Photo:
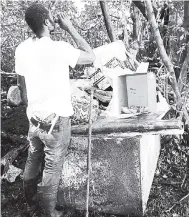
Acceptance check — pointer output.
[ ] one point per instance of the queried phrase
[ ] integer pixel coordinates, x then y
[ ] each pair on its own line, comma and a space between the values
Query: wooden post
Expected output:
89, 153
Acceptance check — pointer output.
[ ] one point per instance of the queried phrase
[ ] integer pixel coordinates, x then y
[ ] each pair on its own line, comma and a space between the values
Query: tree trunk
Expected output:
136, 32
182, 82
140, 5
135, 19
124, 22
186, 15
161, 48
107, 20
166, 60
185, 67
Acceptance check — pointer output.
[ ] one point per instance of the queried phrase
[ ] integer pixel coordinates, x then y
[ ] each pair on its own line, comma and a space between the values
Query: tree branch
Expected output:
183, 198
166, 60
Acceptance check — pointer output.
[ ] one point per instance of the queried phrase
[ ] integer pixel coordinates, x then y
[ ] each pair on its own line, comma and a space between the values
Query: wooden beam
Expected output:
144, 123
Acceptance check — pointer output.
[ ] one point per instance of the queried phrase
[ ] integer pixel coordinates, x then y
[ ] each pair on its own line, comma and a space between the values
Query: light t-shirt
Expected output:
45, 65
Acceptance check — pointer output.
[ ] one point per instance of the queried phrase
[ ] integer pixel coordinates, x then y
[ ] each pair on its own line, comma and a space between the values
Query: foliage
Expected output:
90, 24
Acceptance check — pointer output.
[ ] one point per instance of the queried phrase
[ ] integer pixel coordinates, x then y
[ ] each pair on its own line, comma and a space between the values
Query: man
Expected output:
43, 66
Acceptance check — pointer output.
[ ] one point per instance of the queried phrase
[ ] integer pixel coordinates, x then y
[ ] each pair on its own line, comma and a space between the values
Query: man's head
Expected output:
39, 19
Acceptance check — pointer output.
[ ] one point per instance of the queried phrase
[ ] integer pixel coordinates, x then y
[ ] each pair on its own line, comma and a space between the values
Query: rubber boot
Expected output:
48, 199
30, 192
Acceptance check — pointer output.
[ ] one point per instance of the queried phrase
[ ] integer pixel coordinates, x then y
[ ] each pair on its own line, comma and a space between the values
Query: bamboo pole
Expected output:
89, 153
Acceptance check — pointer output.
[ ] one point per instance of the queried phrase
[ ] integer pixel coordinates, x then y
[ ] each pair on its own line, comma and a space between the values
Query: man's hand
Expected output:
64, 22
86, 55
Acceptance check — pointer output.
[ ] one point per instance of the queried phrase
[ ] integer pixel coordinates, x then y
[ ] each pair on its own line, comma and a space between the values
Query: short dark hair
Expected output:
35, 16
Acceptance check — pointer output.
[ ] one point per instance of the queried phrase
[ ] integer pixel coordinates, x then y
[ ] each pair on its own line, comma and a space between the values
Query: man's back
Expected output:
45, 65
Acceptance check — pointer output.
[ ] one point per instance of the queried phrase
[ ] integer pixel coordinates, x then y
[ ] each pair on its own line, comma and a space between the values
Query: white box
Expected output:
141, 90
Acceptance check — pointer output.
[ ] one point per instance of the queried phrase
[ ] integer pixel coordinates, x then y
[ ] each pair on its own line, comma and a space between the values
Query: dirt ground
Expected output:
167, 189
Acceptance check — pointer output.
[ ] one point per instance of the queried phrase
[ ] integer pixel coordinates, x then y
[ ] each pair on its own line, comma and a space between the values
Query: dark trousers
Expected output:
55, 147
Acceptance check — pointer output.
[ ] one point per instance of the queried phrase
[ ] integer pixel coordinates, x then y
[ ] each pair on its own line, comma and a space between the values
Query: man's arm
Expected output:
86, 56
22, 87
